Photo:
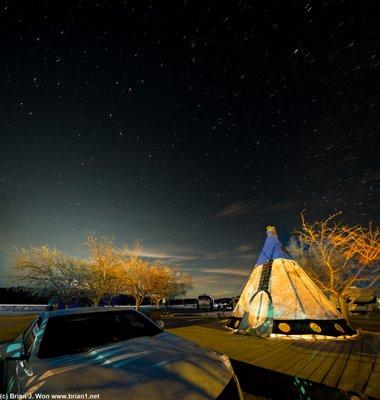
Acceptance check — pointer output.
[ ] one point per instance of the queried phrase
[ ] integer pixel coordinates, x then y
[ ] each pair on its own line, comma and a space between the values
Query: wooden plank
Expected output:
366, 364
349, 365
287, 357
365, 371
197, 333
260, 356
250, 349
230, 339
349, 374
330, 355
302, 362
368, 347
333, 375
253, 352
374, 338
373, 386
236, 346
290, 352
319, 356
244, 351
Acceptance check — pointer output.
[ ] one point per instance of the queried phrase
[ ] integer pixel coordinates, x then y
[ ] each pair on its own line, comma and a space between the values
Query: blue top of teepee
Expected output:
272, 248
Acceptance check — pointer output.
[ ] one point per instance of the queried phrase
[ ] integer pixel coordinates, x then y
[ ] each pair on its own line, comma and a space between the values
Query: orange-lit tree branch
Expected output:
337, 256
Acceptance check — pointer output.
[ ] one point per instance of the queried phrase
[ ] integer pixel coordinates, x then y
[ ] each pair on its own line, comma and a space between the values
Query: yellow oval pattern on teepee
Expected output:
284, 327
259, 309
315, 327
338, 328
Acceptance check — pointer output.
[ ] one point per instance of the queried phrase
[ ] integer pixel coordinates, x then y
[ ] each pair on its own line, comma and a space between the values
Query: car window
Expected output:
77, 333
30, 335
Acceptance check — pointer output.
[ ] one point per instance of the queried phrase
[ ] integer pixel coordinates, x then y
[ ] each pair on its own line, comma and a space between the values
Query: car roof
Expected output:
83, 310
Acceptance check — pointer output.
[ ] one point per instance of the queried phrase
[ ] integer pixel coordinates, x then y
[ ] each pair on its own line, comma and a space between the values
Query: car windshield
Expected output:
77, 333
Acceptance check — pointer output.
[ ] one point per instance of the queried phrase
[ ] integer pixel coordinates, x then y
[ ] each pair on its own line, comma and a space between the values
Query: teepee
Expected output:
280, 299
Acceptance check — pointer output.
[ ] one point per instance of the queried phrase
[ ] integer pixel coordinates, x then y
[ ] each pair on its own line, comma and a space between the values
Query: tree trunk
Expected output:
344, 308
96, 301
158, 303
138, 303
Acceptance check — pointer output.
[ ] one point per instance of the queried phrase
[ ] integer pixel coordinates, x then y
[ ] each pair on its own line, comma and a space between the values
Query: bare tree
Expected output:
108, 271
140, 278
102, 273
42, 270
162, 276
178, 285
337, 256
136, 276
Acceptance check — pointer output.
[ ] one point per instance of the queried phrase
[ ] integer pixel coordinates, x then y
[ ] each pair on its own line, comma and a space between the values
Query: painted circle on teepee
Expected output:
259, 309
338, 327
315, 327
284, 327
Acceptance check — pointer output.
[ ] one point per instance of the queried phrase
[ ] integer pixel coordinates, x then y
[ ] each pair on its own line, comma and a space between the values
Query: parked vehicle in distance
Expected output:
115, 354
361, 300
205, 303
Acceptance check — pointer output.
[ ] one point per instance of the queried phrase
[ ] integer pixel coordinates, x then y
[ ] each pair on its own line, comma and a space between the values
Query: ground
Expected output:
12, 325
196, 327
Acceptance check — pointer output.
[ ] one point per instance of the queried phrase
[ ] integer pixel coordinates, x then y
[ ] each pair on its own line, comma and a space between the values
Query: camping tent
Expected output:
280, 299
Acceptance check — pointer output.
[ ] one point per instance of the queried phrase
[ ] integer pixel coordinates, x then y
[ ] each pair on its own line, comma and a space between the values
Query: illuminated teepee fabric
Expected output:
281, 299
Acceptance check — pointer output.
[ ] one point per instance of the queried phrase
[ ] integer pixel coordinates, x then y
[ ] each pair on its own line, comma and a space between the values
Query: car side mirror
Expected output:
16, 357
160, 323
15, 351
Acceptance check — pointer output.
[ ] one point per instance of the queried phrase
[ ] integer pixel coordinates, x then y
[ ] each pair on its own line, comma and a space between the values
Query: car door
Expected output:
19, 371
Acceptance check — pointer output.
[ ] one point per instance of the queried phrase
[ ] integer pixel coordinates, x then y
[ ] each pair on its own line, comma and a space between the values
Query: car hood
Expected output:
164, 366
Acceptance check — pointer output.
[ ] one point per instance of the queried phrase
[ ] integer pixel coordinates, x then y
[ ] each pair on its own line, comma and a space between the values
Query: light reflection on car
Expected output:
113, 353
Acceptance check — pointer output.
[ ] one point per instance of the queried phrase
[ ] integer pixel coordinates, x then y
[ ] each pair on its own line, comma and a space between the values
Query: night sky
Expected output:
188, 126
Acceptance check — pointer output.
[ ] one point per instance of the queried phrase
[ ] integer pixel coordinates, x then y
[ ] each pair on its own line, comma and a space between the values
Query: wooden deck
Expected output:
351, 365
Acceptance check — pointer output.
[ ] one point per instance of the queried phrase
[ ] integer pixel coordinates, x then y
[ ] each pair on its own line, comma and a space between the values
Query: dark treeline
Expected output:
19, 295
